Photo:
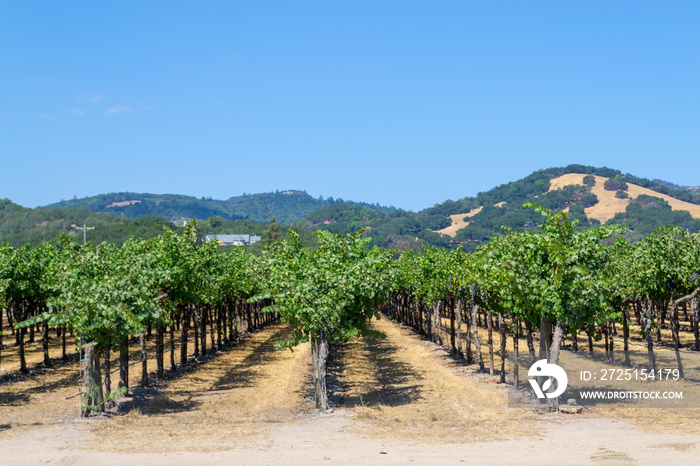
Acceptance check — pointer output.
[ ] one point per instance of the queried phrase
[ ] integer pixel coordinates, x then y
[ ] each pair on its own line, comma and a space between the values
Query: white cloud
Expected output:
47, 116
91, 98
117, 109
78, 111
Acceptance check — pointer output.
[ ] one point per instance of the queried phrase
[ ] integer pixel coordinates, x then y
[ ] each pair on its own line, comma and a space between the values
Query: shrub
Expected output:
588, 199
615, 184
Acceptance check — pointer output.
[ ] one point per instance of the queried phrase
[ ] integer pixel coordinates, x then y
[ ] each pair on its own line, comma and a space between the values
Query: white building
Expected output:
232, 240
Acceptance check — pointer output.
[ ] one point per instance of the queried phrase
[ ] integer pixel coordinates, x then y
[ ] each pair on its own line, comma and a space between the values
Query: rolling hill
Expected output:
608, 205
286, 206
642, 205
20, 225
592, 195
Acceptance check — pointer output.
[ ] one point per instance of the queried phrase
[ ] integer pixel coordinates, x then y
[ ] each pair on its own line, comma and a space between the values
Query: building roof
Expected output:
232, 238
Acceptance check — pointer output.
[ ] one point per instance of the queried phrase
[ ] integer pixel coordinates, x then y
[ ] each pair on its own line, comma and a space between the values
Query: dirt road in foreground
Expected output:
405, 402
332, 438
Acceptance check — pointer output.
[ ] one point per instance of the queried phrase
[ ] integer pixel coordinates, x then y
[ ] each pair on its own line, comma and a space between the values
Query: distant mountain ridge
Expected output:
675, 186
21, 225
286, 206
591, 195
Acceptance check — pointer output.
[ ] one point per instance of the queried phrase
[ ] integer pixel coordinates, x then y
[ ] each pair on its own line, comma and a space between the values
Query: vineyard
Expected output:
167, 321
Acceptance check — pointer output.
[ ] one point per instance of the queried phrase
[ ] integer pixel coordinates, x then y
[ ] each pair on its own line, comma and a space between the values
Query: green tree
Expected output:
273, 232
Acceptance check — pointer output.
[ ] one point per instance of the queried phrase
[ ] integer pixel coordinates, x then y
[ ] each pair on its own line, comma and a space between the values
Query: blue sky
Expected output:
404, 103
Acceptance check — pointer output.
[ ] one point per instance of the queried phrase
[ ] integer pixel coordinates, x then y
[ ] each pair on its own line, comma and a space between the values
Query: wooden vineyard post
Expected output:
144, 359
45, 342
475, 339
160, 336
516, 337
184, 326
124, 365
489, 323
530, 343
452, 325
502, 330
458, 311
108, 372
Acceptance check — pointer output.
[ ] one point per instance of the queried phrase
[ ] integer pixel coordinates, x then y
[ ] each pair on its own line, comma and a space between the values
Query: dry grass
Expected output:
606, 208
38, 399
608, 205
654, 420
636, 343
240, 393
34, 355
33, 352
123, 203
408, 388
458, 222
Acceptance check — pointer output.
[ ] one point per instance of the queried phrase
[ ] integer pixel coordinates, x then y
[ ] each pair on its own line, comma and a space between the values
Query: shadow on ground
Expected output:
13, 399
156, 400
37, 370
245, 373
391, 381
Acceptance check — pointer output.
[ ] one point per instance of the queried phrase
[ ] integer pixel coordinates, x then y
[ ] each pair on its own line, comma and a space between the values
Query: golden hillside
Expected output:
458, 222
608, 205
606, 208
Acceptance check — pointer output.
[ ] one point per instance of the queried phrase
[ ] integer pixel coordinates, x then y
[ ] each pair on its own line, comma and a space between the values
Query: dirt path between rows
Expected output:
404, 401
